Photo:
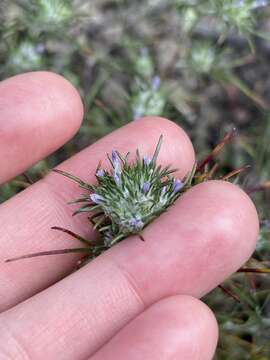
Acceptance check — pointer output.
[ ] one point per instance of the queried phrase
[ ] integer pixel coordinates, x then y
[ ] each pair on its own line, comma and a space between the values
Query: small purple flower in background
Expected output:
177, 185
155, 83
259, 3
100, 173
253, 4
136, 223
146, 187
40, 48
96, 198
146, 160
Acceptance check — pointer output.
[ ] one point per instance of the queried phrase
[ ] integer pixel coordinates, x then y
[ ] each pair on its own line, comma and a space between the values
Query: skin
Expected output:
139, 300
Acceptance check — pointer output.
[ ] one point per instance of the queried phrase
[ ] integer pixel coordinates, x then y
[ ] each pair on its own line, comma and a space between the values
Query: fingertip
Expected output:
200, 311
207, 235
39, 112
184, 322
198, 318
236, 214
174, 327
58, 93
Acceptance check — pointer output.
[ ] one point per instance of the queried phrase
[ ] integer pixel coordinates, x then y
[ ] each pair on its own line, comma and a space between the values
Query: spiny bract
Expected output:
130, 195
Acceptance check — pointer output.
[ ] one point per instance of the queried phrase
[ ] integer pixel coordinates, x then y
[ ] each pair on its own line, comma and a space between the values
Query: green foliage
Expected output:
27, 56
231, 14
46, 16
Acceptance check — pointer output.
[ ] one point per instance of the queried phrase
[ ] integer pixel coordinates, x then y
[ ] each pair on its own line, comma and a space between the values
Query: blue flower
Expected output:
155, 83
136, 223
177, 185
96, 198
146, 160
114, 157
100, 173
146, 187
116, 168
116, 162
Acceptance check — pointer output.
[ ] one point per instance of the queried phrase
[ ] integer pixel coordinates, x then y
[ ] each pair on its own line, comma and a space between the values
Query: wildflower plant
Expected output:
147, 98
27, 56
147, 95
129, 196
48, 15
126, 198
199, 49
231, 14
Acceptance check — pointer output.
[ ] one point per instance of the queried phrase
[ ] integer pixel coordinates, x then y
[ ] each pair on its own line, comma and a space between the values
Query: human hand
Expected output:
137, 300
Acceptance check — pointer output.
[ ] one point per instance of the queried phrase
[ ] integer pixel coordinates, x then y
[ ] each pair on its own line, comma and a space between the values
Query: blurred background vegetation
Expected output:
203, 64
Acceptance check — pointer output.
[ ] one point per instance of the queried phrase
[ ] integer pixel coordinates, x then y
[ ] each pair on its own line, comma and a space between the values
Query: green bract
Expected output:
129, 196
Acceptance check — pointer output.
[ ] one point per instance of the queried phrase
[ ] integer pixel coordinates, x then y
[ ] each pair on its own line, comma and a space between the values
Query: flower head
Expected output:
136, 223
146, 187
115, 159
129, 196
177, 185
100, 173
96, 198
116, 171
146, 160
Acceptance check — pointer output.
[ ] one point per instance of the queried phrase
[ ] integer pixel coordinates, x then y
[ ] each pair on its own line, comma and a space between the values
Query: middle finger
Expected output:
209, 232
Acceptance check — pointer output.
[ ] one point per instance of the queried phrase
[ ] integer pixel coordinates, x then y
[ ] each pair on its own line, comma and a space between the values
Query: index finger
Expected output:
39, 112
